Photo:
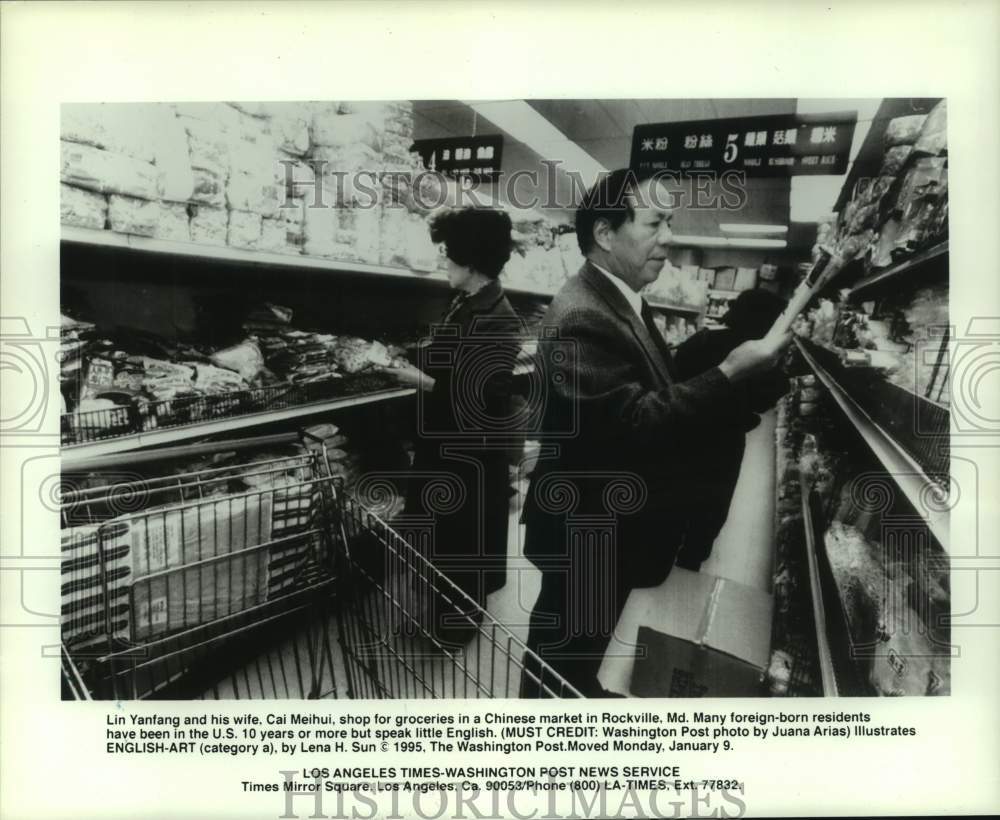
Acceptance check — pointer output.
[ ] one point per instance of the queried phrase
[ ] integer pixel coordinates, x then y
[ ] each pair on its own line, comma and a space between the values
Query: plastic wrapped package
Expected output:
294, 178
244, 230
175, 180
345, 130
208, 225
253, 194
903, 130
120, 128
256, 160
894, 160
220, 115
208, 188
319, 227
140, 217
421, 253
82, 208
84, 166
244, 358
208, 147
368, 230
393, 245
251, 109
933, 137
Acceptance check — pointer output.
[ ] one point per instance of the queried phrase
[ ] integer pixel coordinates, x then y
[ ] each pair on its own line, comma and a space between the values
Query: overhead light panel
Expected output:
734, 227
526, 125
727, 242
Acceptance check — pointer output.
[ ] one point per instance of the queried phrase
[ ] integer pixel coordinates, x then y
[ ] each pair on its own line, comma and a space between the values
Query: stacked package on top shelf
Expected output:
679, 286
278, 177
904, 208
536, 262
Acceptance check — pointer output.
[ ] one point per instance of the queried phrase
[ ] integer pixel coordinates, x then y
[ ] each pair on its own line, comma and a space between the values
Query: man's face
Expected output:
638, 249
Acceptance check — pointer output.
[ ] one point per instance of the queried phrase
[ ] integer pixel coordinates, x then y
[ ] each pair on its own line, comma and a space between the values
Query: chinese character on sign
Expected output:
779, 138
691, 141
647, 145
446, 154
661, 143
750, 138
484, 152
791, 135
762, 137
823, 134
705, 141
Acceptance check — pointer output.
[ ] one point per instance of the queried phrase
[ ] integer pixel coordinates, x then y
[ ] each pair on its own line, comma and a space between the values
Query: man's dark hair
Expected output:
477, 238
607, 199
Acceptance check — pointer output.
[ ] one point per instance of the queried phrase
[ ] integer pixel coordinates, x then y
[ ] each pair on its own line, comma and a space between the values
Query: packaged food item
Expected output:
244, 358
120, 128
903, 130
244, 230
82, 208
208, 225
894, 160
933, 137
84, 166
163, 220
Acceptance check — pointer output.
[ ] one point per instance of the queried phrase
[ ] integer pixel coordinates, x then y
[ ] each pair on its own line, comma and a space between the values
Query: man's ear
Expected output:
602, 233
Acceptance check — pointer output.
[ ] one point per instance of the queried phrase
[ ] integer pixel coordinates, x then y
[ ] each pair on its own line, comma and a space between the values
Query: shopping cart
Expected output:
266, 580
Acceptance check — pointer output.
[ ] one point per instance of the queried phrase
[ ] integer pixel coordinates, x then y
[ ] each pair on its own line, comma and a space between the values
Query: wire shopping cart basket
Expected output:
266, 580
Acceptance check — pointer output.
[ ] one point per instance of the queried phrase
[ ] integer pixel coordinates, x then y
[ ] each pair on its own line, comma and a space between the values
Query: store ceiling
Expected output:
603, 128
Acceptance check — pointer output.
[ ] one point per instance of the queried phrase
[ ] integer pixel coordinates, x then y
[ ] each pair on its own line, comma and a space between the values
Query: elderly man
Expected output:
603, 514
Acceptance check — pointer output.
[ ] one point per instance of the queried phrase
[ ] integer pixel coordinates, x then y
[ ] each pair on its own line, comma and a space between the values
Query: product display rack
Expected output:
222, 253
936, 255
908, 474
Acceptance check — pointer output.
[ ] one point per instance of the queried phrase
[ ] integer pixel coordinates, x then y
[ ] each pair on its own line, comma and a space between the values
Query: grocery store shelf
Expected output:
723, 294
152, 438
907, 266
190, 250
907, 473
220, 253
828, 677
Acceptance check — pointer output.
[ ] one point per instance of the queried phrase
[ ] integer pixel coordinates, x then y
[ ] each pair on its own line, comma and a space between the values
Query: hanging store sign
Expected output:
776, 145
474, 158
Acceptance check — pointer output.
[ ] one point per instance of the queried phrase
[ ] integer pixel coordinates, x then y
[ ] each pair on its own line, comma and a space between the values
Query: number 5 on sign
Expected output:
729, 155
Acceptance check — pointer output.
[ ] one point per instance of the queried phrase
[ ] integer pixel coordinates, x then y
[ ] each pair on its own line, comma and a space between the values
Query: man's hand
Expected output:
754, 357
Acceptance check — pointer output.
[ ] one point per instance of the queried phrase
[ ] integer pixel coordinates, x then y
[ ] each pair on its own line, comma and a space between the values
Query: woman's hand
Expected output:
412, 377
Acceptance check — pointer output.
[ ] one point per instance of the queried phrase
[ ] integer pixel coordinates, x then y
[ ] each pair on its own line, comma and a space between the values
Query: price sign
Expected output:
776, 145
475, 158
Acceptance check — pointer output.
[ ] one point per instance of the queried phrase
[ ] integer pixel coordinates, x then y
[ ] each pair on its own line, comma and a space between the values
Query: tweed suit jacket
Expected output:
617, 427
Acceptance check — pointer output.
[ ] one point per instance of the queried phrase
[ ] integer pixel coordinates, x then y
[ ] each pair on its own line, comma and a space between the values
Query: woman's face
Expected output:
458, 275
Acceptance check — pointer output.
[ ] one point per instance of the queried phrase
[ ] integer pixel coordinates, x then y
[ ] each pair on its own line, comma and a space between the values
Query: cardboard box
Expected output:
725, 278
746, 279
696, 635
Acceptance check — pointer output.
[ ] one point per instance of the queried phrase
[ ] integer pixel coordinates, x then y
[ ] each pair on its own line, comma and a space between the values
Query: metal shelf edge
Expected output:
908, 475
224, 253
152, 438
915, 261
824, 653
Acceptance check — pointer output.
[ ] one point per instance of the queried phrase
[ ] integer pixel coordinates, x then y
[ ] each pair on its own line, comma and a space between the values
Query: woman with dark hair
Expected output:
460, 482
